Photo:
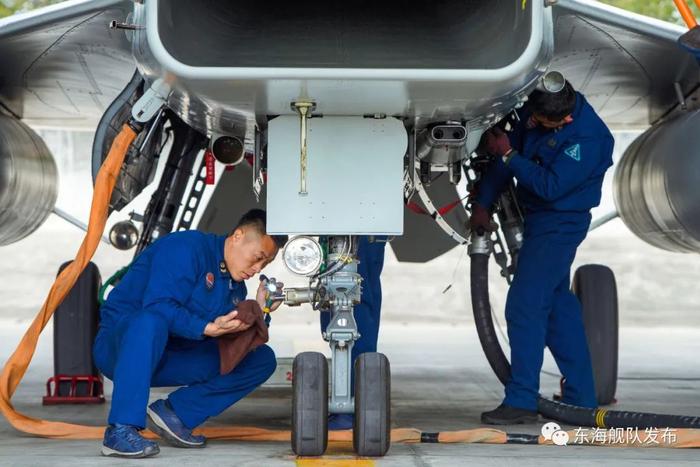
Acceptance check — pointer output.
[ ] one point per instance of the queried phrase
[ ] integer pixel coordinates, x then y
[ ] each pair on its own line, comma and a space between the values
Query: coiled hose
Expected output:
565, 413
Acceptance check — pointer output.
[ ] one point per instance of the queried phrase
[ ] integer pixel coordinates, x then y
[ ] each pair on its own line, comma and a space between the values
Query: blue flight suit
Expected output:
151, 332
559, 176
367, 313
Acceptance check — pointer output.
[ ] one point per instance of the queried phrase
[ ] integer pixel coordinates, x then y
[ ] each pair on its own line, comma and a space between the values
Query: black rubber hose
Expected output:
565, 413
481, 304
582, 416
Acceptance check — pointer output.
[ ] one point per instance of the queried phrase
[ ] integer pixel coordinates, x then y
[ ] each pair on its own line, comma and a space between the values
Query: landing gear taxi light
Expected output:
303, 255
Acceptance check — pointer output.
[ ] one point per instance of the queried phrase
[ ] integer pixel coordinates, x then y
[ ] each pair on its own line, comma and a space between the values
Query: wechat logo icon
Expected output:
553, 432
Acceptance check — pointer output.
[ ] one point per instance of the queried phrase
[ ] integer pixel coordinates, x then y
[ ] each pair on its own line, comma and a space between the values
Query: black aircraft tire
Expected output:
310, 404
371, 435
595, 287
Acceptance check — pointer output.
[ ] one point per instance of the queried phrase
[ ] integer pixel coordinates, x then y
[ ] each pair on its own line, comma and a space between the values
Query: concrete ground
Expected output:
440, 382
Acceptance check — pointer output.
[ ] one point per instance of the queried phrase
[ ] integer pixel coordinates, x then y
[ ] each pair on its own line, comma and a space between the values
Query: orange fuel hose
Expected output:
17, 364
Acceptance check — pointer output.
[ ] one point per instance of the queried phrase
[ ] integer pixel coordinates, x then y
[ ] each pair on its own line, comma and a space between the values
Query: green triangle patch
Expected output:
574, 152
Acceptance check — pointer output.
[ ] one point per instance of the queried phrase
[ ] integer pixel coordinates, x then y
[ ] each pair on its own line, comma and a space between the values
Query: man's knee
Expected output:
529, 297
267, 360
523, 299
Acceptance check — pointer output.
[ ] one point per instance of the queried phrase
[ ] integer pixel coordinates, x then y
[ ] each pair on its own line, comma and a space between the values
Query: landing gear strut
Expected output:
336, 291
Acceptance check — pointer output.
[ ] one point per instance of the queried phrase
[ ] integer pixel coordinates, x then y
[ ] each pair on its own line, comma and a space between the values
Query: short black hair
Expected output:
257, 219
553, 105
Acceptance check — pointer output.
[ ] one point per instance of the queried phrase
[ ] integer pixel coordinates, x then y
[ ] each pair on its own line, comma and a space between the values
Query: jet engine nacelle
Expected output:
28, 181
657, 183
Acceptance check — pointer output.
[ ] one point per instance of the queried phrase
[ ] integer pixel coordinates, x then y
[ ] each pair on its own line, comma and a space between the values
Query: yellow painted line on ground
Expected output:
321, 462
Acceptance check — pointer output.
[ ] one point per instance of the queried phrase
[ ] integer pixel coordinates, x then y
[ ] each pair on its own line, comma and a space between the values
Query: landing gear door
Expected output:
354, 176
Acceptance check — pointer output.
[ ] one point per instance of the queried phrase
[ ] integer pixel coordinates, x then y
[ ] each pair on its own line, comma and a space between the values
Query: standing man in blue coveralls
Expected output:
558, 154
158, 328
370, 254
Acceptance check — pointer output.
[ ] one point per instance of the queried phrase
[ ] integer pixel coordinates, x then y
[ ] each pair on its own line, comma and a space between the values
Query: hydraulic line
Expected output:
482, 316
569, 414
112, 281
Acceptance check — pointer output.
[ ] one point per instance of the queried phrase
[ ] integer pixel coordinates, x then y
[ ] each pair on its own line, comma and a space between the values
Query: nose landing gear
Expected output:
337, 290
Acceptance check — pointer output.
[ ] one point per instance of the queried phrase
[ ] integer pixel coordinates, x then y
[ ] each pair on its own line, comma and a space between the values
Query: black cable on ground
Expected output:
559, 411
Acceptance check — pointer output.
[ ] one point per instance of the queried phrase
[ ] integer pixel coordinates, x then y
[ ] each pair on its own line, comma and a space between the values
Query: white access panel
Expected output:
354, 176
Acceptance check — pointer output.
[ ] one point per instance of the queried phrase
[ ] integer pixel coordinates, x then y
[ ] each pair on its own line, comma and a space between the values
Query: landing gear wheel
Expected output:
372, 425
310, 404
595, 287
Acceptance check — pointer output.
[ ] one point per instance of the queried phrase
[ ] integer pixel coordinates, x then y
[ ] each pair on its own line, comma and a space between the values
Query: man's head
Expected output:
249, 248
553, 110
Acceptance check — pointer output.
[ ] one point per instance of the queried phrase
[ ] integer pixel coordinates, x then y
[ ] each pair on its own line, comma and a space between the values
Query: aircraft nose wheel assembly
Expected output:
335, 287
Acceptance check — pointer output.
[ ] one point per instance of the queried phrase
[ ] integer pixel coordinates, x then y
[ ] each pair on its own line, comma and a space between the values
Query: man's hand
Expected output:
480, 220
225, 324
496, 142
262, 293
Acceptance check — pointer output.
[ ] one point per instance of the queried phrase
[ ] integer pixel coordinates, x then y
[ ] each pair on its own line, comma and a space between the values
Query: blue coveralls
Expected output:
151, 332
559, 175
368, 311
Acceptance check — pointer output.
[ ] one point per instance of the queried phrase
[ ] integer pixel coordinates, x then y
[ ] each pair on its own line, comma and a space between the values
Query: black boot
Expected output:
507, 415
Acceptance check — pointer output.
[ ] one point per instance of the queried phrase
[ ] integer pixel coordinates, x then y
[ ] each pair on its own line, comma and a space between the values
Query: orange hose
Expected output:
479, 435
686, 13
17, 364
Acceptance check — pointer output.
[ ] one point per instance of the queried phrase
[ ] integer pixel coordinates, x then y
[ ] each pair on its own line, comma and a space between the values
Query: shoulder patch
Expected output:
574, 152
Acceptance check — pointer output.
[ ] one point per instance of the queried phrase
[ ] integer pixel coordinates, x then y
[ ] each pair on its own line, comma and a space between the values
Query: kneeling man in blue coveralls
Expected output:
158, 327
558, 154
